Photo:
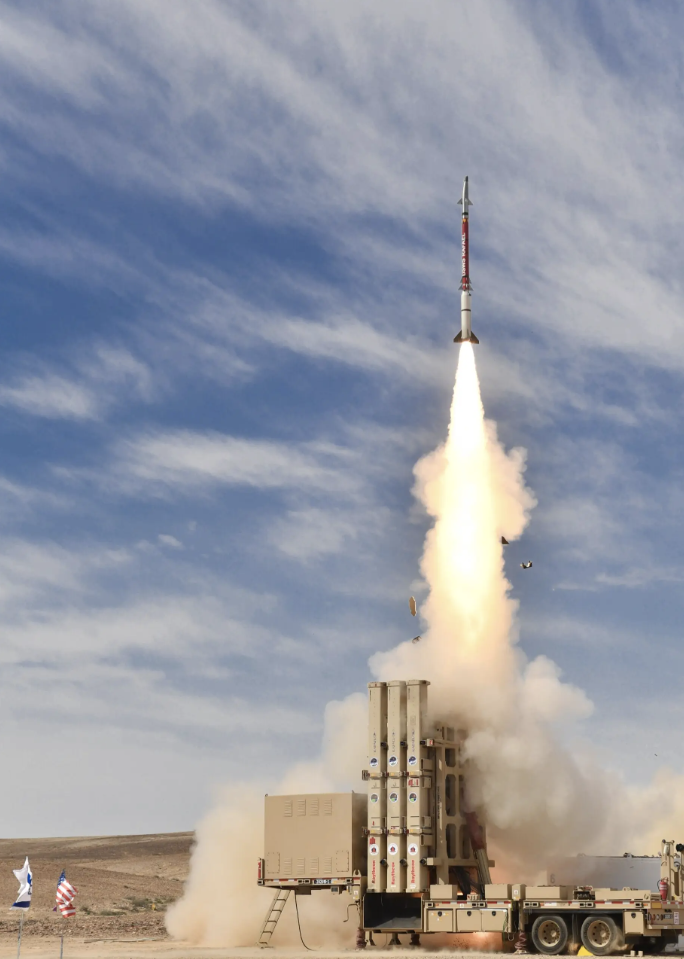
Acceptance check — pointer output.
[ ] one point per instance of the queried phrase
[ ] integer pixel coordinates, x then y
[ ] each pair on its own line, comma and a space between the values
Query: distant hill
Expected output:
124, 883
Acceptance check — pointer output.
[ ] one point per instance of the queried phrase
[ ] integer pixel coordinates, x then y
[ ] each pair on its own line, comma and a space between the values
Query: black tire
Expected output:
549, 935
601, 935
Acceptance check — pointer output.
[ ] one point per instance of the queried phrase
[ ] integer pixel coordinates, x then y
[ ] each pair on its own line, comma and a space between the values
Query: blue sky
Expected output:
229, 249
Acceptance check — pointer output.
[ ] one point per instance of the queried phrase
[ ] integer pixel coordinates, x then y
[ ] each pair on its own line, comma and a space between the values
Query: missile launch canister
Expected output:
465, 335
396, 786
377, 791
421, 837
418, 787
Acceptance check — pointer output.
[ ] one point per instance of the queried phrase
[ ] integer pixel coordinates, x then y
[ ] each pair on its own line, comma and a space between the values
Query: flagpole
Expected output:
21, 925
61, 941
65, 904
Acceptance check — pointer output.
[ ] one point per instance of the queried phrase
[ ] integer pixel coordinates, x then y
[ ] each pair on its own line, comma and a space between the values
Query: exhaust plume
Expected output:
537, 797
536, 800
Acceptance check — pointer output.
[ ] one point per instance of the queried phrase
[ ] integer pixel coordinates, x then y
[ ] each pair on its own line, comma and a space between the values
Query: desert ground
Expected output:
170, 950
124, 885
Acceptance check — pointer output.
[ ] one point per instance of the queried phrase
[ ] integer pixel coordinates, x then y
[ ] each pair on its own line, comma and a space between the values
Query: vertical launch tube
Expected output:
377, 787
396, 786
418, 789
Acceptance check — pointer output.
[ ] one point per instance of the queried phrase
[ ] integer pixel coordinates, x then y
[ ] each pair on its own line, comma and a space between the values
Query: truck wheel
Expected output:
549, 934
600, 935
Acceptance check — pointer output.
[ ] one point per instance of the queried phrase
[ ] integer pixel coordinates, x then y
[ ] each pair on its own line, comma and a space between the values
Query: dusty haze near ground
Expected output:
119, 880
170, 950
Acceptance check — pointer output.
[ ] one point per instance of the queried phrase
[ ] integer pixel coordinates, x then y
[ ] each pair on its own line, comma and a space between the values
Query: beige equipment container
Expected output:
545, 893
314, 839
440, 919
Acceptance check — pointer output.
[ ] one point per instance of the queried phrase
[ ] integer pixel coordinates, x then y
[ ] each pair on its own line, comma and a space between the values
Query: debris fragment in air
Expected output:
527, 565
412, 606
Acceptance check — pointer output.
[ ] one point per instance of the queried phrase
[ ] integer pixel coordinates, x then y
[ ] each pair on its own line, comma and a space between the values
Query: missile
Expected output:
466, 334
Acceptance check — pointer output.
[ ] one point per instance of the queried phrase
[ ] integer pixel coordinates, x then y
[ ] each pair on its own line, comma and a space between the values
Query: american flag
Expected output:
65, 897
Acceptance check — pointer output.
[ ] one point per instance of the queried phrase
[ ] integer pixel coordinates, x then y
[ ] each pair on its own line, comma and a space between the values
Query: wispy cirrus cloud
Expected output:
51, 396
307, 534
84, 388
182, 460
346, 151
242, 219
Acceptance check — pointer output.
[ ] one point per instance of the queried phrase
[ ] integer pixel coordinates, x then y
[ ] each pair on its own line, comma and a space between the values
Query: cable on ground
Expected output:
300, 927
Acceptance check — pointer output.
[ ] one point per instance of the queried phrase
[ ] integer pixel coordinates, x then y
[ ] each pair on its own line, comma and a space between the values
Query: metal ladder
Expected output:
272, 917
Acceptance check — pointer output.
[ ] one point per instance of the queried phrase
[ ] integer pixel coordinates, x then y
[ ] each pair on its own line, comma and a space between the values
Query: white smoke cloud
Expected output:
538, 797
222, 904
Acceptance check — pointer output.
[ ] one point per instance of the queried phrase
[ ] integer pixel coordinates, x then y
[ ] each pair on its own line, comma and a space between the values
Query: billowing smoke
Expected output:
539, 798
222, 904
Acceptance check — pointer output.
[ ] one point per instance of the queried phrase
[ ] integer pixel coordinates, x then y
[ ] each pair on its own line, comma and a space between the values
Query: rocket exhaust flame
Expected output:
463, 550
474, 491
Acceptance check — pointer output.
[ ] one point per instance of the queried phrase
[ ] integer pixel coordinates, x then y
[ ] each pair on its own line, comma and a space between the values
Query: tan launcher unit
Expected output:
412, 835
414, 858
419, 832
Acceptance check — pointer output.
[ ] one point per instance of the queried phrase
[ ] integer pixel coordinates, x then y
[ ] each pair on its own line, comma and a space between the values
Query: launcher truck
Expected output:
413, 856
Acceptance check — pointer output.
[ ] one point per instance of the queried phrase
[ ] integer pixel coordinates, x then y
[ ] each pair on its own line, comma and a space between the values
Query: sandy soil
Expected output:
170, 950
124, 885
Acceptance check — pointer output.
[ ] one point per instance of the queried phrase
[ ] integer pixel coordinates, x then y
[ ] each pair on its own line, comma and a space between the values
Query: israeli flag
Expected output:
25, 880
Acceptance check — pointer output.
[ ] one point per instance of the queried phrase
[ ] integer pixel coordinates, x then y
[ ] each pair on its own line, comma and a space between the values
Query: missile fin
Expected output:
473, 338
458, 338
